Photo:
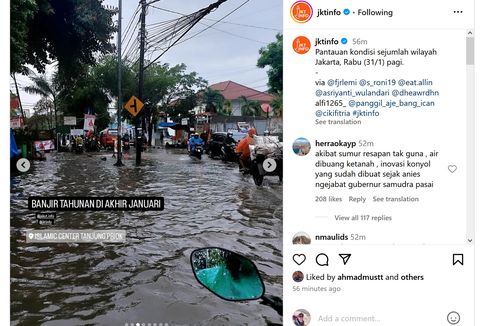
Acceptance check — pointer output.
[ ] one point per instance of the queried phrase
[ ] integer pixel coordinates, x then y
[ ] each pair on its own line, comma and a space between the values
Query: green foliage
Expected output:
69, 31
166, 89
215, 258
272, 56
43, 86
181, 108
105, 75
49, 89
44, 107
170, 90
250, 108
105, 71
182, 84
227, 108
59, 99
276, 104
21, 12
213, 100
39, 122
42, 118
87, 93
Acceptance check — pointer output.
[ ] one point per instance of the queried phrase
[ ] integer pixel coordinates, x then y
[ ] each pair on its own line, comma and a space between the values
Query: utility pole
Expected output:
140, 122
119, 92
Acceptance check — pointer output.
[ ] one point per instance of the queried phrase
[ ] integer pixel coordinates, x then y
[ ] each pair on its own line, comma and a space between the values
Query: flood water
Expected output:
148, 279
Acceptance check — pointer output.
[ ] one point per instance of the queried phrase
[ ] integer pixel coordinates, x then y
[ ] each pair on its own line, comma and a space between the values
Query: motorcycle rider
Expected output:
125, 141
229, 140
243, 149
79, 140
194, 141
79, 144
228, 147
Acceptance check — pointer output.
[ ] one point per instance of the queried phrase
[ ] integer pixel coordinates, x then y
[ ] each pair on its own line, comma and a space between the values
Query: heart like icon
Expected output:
30, 235
452, 168
299, 258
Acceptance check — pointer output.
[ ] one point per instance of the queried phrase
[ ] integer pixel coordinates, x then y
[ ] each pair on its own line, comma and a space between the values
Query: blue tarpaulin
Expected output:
14, 151
166, 124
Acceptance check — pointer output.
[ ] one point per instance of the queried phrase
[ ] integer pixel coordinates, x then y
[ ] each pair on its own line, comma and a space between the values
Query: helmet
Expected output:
266, 133
252, 132
196, 135
229, 134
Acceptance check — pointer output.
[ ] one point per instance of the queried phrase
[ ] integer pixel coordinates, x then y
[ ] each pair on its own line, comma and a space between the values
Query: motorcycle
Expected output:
231, 276
259, 165
92, 145
228, 153
214, 151
265, 158
64, 144
79, 148
196, 151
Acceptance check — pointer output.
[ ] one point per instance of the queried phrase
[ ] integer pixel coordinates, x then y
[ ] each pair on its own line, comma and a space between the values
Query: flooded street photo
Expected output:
148, 278
146, 162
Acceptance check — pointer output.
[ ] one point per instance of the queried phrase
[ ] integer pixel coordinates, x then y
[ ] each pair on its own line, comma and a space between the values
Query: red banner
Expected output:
14, 103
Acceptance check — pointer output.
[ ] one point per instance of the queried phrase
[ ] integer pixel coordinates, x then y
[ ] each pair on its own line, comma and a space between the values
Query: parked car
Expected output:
108, 138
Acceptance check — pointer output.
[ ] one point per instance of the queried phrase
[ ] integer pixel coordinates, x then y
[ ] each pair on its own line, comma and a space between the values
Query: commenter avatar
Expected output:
301, 146
301, 317
301, 238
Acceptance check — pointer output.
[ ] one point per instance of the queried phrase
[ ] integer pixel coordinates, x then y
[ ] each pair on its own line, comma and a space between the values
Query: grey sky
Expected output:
214, 55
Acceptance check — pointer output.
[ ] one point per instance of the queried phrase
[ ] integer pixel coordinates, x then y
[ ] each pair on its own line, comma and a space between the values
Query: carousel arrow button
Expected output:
269, 165
23, 165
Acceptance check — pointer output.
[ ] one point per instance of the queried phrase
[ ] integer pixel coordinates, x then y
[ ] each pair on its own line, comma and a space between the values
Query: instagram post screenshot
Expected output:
146, 162
245, 162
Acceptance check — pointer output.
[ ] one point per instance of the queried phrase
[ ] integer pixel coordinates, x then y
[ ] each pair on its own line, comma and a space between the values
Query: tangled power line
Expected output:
162, 36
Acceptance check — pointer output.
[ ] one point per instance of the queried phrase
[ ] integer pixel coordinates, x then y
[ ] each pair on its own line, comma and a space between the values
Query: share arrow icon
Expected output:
345, 257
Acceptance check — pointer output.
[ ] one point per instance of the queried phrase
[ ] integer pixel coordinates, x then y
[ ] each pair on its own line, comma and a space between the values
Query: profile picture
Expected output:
301, 45
301, 317
301, 238
301, 11
298, 276
301, 146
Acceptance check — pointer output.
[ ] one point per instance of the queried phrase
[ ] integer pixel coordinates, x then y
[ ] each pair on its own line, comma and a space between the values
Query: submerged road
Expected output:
147, 279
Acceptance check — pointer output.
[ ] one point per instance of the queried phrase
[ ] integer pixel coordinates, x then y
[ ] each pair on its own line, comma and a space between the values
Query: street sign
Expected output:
16, 122
70, 120
134, 105
76, 132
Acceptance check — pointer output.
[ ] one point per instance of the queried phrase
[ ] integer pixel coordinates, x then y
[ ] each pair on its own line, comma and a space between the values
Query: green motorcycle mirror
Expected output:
227, 274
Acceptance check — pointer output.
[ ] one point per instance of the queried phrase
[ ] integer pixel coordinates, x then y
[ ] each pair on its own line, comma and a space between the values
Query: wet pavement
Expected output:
148, 279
